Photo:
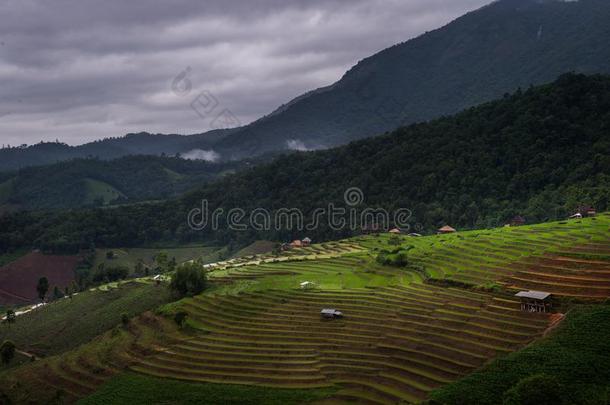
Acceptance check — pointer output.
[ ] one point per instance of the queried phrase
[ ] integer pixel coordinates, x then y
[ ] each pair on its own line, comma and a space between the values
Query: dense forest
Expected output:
539, 153
95, 182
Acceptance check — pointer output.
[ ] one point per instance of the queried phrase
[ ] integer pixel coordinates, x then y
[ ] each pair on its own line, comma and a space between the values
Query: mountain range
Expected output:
539, 153
476, 58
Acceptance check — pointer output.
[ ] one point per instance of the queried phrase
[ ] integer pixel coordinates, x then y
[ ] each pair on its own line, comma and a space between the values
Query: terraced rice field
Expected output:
395, 343
570, 259
574, 272
318, 251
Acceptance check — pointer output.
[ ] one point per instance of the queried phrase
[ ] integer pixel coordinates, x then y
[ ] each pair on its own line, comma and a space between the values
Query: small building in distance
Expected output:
446, 229
306, 241
328, 313
306, 285
586, 211
535, 301
296, 244
517, 221
395, 231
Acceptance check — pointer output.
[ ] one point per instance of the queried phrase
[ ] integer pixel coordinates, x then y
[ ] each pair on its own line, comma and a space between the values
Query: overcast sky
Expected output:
79, 70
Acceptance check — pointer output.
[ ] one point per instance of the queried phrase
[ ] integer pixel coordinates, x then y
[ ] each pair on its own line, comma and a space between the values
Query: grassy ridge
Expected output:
577, 355
137, 389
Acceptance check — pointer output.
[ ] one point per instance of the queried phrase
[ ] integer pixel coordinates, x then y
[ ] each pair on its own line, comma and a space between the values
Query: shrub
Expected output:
396, 257
7, 351
180, 318
124, 319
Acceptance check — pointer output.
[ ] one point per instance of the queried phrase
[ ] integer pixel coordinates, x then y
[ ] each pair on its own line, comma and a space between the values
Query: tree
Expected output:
7, 351
42, 288
110, 255
57, 294
539, 389
139, 268
189, 279
162, 260
11, 317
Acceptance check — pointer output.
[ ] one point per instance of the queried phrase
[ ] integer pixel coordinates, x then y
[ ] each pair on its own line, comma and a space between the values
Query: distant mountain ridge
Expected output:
476, 58
142, 143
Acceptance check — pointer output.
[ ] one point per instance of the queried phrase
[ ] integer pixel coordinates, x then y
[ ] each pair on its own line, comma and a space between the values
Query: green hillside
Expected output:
408, 331
95, 182
99, 192
539, 153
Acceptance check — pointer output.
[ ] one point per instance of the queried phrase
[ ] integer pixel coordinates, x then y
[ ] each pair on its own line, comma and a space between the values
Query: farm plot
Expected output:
394, 344
18, 279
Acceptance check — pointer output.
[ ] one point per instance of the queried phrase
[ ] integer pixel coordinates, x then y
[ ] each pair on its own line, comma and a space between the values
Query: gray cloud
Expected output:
79, 70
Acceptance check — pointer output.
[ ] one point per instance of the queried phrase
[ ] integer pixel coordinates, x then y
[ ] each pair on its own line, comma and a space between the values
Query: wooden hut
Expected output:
517, 221
446, 229
535, 301
296, 244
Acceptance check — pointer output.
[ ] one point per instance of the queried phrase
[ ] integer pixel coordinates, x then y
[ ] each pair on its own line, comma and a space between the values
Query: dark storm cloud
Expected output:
78, 70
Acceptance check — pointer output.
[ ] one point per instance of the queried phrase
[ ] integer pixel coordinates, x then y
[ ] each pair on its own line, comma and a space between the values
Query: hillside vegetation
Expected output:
539, 153
70, 322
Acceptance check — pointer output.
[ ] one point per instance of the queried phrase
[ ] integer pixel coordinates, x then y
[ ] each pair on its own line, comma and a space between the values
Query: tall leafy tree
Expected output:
42, 288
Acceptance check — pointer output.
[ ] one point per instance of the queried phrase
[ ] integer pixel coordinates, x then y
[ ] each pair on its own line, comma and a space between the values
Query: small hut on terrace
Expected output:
446, 229
535, 301
517, 221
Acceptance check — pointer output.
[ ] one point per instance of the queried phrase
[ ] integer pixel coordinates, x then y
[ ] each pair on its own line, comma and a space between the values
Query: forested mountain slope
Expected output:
476, 58
538, 153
